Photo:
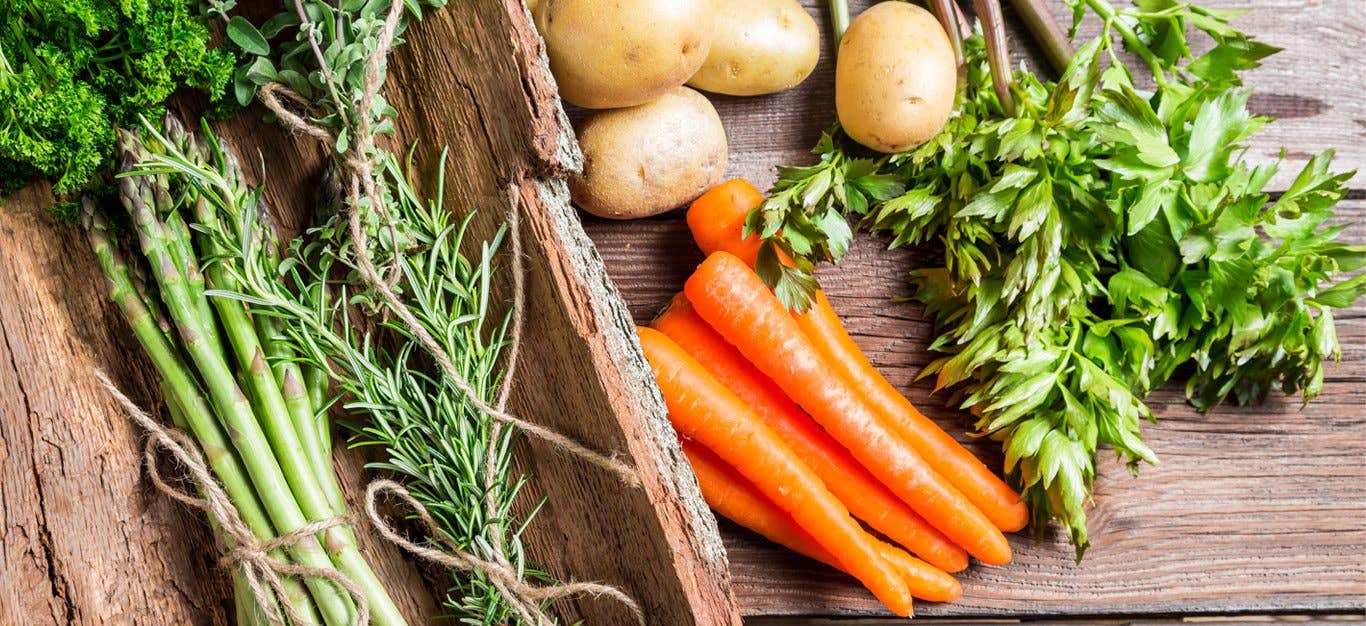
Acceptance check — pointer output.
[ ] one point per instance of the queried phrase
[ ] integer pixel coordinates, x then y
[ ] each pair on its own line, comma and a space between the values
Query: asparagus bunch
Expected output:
231, 379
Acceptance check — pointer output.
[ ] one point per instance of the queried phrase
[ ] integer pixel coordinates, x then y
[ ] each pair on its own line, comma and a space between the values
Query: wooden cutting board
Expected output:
85, 540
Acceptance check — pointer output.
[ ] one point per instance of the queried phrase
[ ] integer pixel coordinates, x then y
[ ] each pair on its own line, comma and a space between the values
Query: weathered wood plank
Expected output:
84, 540
1256, 508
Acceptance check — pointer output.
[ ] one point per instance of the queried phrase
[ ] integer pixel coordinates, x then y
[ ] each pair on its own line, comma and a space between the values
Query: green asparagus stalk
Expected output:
183, 392
229, 402
249, 610
310, 488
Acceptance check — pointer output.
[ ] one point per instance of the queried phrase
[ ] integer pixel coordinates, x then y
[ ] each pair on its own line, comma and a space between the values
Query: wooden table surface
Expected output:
1259, 509
1253, 511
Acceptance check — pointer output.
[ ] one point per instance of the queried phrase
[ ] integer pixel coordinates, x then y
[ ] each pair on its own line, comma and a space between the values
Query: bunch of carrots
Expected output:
795, 435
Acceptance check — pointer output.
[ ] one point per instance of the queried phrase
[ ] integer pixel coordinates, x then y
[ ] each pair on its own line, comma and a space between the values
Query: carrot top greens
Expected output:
1095, 243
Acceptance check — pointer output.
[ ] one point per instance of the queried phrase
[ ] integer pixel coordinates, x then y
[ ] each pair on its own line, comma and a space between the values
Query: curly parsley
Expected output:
73, 70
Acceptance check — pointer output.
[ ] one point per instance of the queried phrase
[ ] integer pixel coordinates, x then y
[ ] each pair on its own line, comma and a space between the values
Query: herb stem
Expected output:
1057, 47
998, 52
1131, 40
943, 11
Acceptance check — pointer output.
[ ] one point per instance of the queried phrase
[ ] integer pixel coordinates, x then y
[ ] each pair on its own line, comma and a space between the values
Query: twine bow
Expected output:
250, 555
524, 598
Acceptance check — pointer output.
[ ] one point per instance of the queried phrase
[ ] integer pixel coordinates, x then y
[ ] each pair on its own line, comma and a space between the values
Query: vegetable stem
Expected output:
227, 398
944, 12
839, 19
183, 393
1131, 39
1057, 47
998, 53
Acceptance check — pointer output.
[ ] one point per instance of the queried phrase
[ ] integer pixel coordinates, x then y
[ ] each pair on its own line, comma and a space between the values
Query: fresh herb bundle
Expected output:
71, 72
325, 75
430, 433
1096, 241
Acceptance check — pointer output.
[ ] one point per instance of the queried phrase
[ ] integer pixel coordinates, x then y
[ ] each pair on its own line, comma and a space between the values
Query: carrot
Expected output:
969, 474
730, 297
717, 220
703, 409
868, 499
736, 499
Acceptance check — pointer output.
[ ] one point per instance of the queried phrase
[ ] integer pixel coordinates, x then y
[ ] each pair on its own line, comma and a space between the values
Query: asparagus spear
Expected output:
182, 391
225, 396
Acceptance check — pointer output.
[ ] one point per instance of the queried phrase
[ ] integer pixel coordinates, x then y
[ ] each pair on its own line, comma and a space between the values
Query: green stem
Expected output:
248, 611
308, 423
279, 425
1057, 46
230, 404
1131, 40
998, 53
839, 19
182, 392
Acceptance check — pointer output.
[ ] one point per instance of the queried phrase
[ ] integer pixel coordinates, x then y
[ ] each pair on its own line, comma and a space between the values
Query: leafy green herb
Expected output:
1095, 242
70, 72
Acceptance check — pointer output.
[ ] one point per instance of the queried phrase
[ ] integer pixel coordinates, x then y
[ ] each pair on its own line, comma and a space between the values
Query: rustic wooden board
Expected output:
1256, 509
84, 540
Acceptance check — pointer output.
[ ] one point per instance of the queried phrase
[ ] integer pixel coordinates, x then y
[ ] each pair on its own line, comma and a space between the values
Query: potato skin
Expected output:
648, 159
609, 53
895, 77
759, 47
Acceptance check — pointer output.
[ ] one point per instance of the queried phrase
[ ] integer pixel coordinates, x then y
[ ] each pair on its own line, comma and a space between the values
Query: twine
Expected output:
361, 185
247, 553
524, 597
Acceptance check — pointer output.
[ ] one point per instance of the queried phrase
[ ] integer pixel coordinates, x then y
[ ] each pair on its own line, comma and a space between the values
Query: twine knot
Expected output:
245, 551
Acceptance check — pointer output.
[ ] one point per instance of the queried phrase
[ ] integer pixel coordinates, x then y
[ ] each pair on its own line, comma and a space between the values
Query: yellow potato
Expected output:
759, 47
895, 77
648, 159
615, 53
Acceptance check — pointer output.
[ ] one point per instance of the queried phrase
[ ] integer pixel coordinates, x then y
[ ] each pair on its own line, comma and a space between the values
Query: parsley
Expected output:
1097, 242
71, 71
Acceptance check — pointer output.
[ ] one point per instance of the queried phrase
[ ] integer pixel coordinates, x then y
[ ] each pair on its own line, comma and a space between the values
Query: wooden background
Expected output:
1258, 509
1253, 510
85, 539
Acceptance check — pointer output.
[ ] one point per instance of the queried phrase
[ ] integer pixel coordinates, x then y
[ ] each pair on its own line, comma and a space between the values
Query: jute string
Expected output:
361, 185
245, 551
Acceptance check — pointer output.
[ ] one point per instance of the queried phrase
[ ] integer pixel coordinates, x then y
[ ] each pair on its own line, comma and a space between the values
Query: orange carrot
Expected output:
868, 499
964, 470
717, 220
731, 297
703, 409
736, 499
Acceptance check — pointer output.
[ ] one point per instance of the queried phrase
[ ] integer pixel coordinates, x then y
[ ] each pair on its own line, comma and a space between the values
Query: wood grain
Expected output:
84, 540
1252, 509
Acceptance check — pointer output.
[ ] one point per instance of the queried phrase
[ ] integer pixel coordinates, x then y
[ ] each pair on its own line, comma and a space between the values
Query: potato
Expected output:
895, 77
759, 47
648, 159
610, 53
